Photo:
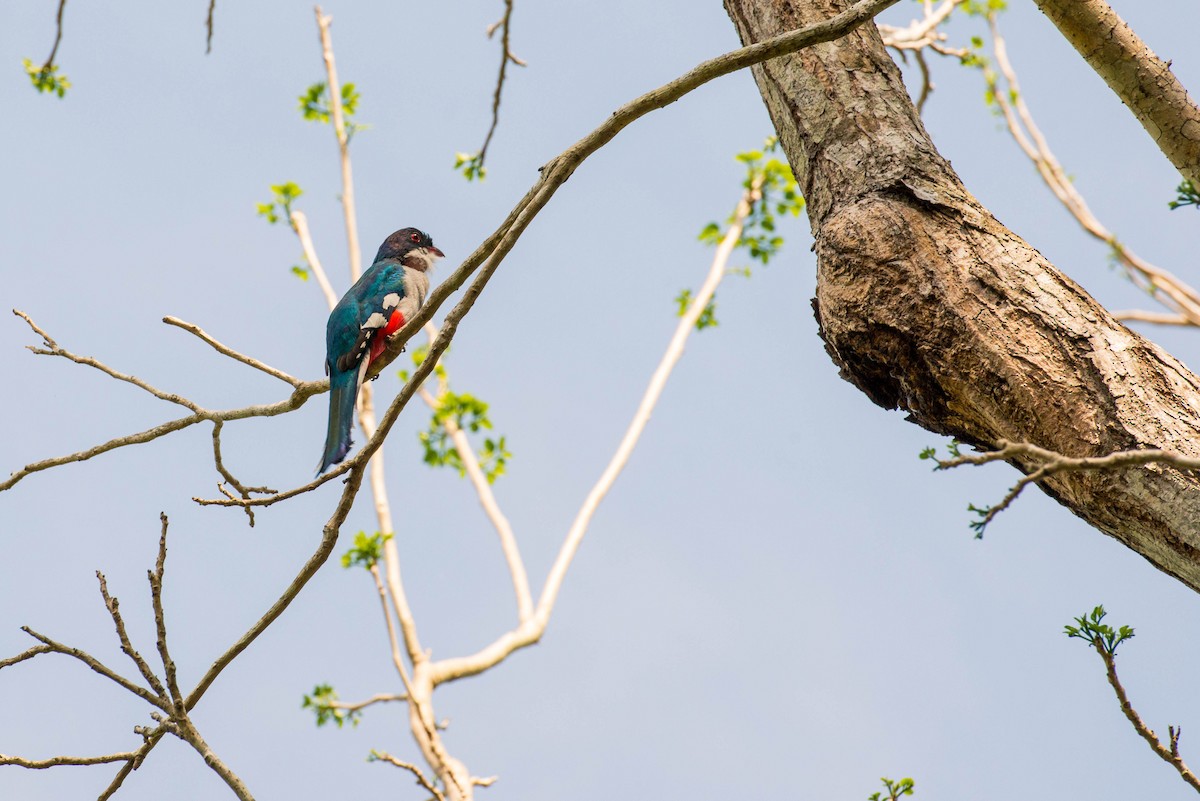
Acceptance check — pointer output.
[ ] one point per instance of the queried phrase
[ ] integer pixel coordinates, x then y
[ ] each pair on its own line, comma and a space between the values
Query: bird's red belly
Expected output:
379, 341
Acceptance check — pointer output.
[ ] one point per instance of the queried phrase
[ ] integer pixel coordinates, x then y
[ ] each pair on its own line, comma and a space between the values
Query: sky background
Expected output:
778, 599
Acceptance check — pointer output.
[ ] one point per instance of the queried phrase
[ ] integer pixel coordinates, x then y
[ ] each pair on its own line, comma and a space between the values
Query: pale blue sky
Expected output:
777, 600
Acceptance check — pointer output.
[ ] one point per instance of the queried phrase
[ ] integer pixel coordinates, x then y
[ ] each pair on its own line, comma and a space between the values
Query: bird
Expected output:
387, 295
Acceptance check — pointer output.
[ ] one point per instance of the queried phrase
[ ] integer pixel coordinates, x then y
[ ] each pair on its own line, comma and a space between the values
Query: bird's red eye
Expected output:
415, 237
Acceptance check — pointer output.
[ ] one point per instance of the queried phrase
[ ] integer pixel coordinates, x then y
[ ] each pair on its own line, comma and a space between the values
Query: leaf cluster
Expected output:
321, 702
46, 78
892, 790
282, 197
366, 551
780, 195
1188, 195
470, 165
314, 106
1103, 637
707, 318
469, 414
983, 8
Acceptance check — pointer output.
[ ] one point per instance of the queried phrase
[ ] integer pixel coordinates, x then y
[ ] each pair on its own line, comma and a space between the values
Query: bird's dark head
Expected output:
411, 247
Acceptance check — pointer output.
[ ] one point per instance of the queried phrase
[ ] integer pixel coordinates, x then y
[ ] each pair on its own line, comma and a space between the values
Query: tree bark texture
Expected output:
928, 304
1142, 80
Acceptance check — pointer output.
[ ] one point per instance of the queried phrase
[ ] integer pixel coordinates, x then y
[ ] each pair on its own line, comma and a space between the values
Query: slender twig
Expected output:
1165, 287
300, 226
506, 56
208, 24
378, 698
98, 666
1160, 318
52, 349
1168, 752
270, 500
113, 607
189, 734
54, 762
230, 478
383, 756
36, 650
490, 253
487, 499
160, 623
225, 350
1051, 463
531, 631
918, 35
58, 34
339, 127
393, 640
303, 390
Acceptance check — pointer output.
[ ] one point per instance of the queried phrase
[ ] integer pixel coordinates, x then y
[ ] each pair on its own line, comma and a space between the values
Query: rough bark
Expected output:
1142, 80
928, 304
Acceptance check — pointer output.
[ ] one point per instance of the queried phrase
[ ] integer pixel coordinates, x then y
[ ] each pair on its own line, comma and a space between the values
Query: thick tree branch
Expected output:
927, 303
1142, 80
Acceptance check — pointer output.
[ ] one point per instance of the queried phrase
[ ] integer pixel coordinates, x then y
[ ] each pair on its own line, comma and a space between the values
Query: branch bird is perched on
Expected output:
379, 304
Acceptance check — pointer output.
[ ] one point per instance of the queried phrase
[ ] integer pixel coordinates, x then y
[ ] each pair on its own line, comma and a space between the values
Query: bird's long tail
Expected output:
343, 392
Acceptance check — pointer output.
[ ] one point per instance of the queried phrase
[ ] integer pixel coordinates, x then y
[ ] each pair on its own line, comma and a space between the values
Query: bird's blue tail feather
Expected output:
343, 393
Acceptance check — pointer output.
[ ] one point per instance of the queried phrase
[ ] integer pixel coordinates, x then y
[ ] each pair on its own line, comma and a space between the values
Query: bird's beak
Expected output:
435, 251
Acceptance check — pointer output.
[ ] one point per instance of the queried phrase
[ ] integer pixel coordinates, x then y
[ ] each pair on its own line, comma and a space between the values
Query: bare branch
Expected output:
300, 226
37, 650
1142, 80
531, 630
160, 624
1051, 463
397, 656
189, 734
555, 172
113, 607
208, 24
58, 34
383, 756
378, 698
1163, 286
329, 537
52, 349
487, 499
54, 762
1169, 753
301, 392
231, 353
1159, 318
152, 739
506, 56
96, 665
229, 477
339, 127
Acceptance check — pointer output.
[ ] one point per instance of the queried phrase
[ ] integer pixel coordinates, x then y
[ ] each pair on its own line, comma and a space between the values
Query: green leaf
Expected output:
366, 551
470, 165
46, 78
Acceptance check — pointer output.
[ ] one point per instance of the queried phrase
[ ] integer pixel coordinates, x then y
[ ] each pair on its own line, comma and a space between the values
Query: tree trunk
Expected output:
928, 304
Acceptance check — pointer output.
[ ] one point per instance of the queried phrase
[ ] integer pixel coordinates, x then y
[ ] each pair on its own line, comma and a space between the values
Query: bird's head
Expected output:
411, 247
